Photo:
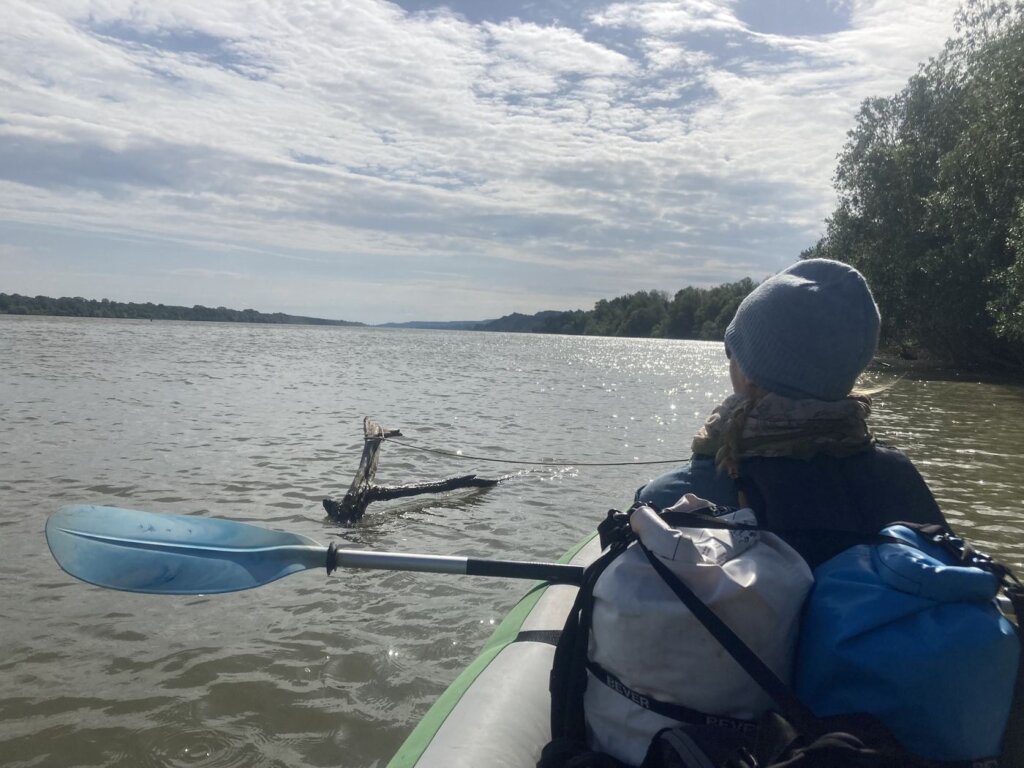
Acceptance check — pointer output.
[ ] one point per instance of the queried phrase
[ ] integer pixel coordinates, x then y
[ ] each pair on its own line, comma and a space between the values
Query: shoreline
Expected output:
891, 362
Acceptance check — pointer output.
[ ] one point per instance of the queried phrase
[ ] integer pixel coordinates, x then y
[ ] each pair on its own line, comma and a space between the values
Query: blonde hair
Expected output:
865, 388
727, 457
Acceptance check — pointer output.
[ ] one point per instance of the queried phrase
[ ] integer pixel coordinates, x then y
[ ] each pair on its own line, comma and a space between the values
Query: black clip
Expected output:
615, 529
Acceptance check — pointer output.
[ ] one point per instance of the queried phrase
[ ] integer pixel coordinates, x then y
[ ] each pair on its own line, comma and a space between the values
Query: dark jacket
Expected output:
861, 493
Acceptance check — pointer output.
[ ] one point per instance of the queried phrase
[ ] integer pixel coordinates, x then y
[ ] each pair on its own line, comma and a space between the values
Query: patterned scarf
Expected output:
778, 426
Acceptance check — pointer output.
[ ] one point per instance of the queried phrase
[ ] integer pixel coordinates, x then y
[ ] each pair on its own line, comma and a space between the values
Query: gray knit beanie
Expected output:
807, 332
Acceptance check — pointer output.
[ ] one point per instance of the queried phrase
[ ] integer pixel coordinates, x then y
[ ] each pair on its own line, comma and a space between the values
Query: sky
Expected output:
376, 161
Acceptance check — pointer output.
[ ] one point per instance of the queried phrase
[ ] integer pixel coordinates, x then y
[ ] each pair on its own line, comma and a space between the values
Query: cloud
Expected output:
611, 148
671, 18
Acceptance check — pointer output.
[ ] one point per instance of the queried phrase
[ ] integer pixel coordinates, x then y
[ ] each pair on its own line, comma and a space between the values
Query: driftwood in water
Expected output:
362, 491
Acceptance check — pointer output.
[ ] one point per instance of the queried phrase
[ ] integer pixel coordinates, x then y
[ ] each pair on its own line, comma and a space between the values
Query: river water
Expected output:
259, 423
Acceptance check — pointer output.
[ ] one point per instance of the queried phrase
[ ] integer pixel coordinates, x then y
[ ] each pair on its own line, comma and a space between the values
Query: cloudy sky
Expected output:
376, 161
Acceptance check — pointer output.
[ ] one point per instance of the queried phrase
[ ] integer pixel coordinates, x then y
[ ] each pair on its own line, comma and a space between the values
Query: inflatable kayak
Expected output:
497, 712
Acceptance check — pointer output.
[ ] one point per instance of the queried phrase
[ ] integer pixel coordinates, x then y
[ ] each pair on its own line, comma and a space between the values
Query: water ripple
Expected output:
258, 424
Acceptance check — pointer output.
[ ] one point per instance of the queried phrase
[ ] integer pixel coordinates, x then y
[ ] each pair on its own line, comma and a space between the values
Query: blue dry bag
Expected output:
904, 632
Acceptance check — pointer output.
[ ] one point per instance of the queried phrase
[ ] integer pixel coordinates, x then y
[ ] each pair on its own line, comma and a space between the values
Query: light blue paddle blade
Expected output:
173, 554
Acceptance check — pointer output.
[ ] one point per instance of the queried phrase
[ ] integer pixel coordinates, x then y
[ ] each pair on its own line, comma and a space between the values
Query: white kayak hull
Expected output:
497, 712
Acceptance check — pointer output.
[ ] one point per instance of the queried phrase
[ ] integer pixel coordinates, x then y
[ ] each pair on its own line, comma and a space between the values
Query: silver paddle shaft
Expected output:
556, 573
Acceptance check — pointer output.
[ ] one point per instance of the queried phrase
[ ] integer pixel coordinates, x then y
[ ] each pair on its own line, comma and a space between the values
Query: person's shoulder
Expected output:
699, 475
889, 454
897, 472
887, 448
880, 461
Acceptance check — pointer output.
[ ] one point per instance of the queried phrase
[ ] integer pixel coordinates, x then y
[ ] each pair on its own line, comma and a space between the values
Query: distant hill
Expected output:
519, 323
14, 304
514, 323
439, 325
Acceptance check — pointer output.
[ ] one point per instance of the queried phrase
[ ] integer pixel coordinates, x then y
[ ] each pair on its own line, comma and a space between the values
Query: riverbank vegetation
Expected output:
931, 197
13, 304
692, 313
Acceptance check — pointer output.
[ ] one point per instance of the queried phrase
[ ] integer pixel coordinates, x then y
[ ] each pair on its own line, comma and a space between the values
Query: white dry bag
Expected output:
649, 646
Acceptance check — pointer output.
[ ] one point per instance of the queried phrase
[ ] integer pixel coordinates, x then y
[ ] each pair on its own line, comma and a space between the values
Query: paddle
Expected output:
183, 555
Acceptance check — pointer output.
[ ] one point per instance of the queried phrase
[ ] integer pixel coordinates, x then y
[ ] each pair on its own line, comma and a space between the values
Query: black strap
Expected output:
1013, 737
680, 519
568, 670
668, 709
789, 704
548, 636
966, 554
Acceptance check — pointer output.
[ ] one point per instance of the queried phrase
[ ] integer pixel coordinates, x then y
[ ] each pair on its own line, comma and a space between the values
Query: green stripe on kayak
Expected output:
416, 744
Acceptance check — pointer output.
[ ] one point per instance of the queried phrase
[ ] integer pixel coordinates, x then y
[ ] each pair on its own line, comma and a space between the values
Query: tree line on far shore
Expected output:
14, 304
692, 313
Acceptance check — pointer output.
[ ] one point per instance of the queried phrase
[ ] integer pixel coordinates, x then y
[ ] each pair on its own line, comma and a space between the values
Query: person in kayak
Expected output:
792, 442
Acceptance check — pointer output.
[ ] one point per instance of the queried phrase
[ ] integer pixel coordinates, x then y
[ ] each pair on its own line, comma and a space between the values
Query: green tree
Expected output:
930, 186
693, 313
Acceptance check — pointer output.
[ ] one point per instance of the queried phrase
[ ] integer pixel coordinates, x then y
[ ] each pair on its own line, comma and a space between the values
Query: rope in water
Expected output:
456, 455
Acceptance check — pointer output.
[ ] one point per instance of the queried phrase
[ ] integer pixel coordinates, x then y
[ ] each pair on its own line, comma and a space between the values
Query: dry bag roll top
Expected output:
648, 646
908, 633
